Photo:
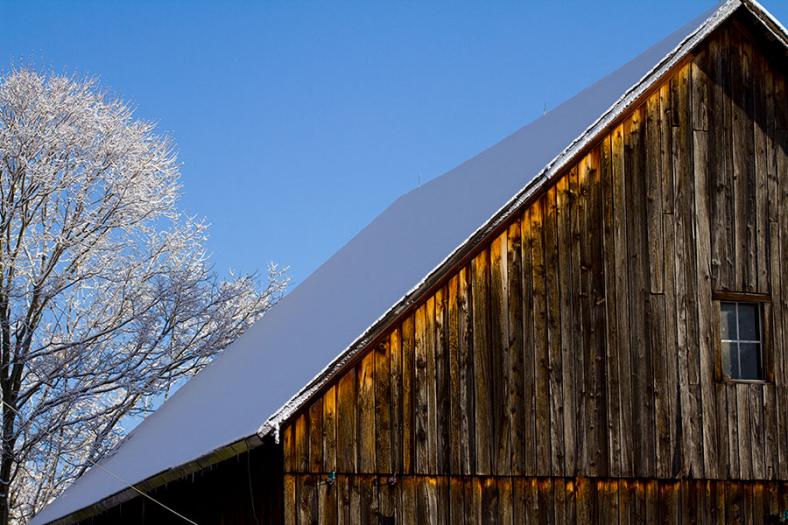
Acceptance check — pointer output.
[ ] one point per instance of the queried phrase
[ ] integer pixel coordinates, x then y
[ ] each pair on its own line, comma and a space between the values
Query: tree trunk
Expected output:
5, 486
6, 462
4, 510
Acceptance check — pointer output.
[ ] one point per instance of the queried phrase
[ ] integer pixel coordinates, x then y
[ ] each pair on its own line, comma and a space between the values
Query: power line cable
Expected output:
105, 469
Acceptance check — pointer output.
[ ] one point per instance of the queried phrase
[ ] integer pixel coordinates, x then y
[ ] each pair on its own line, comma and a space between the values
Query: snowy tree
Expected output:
106, 297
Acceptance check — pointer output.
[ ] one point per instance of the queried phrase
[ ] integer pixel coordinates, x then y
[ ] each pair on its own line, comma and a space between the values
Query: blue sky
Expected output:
297, 122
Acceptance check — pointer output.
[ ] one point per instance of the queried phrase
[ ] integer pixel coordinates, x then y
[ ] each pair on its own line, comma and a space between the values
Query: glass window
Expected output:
742, 346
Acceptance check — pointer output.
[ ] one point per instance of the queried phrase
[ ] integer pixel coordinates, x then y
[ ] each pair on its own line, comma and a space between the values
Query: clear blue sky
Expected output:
298, 122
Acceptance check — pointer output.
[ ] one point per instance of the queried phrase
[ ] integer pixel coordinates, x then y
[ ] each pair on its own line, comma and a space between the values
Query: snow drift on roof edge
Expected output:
281, 353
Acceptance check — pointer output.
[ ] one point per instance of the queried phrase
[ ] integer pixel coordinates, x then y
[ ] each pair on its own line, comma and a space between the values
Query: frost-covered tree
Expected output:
106, 299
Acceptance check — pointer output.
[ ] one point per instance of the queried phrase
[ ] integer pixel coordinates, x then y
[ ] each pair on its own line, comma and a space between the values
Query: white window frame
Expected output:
738, 341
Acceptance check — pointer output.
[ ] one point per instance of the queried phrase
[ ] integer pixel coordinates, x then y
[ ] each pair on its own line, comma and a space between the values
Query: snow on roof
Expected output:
261, 377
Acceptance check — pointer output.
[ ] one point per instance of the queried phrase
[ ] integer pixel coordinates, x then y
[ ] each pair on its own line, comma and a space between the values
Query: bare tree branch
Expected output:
107, 300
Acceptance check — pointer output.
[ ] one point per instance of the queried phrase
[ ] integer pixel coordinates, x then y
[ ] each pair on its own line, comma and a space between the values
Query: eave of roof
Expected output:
459, 254
532, 190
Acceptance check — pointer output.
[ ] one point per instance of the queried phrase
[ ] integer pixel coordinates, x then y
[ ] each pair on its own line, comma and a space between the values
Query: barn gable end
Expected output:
573, 364
565, 363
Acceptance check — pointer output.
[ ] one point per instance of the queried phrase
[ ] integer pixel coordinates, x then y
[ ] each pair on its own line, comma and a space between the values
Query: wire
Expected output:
105, 469
251, 489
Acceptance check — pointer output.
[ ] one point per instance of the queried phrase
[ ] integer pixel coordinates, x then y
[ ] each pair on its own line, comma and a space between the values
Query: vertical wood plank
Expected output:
431, 388
409, 513
456, 406
327, 504
541, 375
760, 168
519, 499
559, 500
307, 499
685, 298
585, 501
330, 430
546, 501
567, 379
655, 235
529, 359
288, 448
731, 418
389, 501
442, 383
501, 378
654, 199
396, 374
316, 435
466, 394
347, 436
302, 443
570, 502
669, 457
742, 156
532, 502
505, 502
456, 501
408, 389
431, 411
421, 388
757, 430
705, 304
621, 300
480, 269
515, 397
625, 516
722, 210
771, 439
426, 500
580, 267
382, 394
612, 343
597, 387
641, 371
554, 354
368, 500
290, 500
743, 431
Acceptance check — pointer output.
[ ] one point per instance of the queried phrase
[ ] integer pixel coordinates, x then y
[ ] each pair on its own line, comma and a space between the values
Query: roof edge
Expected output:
767, 19
162, 478
461, 252
526, 194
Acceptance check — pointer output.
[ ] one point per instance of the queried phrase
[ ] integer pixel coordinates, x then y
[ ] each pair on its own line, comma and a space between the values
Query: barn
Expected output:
585, 323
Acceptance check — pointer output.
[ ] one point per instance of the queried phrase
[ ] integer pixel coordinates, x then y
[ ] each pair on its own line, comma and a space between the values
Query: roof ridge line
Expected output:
330, 371
769, 20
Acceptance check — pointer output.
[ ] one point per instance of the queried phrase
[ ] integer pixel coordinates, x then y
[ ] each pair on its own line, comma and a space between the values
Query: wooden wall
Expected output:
579, 347
363, 499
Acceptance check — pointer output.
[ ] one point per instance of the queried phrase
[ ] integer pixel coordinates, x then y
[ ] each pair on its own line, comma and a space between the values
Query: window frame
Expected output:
763, 304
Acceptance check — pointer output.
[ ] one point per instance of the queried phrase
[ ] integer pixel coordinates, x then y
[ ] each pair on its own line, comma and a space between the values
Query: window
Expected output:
742, 343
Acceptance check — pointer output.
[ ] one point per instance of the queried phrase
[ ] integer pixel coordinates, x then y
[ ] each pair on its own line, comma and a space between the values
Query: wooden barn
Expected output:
586, 323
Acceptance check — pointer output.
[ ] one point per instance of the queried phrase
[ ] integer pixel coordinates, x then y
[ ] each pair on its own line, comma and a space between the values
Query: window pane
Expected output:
748, 322
728, 320
750, 361
730, 361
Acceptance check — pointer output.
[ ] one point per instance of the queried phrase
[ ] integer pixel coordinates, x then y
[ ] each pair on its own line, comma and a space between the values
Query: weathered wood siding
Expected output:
580, 345
364, 499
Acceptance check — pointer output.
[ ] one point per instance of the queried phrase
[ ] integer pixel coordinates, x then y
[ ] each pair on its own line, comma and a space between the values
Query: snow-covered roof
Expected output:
306, 339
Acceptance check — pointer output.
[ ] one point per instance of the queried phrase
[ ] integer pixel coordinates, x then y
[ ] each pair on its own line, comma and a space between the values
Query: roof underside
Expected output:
306, 338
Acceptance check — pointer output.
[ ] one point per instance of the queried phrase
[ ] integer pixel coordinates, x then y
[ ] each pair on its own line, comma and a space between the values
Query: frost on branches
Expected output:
106, 297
